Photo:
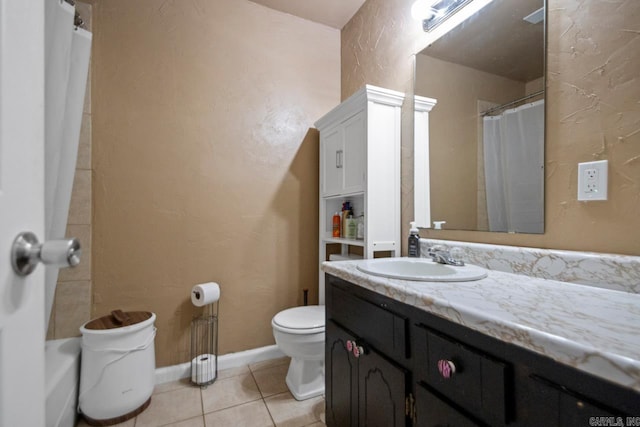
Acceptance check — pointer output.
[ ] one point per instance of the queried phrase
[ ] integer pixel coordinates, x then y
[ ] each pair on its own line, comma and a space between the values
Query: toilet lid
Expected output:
306, 317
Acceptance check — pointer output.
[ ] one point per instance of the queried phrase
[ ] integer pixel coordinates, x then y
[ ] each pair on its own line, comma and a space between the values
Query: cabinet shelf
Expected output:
342, 240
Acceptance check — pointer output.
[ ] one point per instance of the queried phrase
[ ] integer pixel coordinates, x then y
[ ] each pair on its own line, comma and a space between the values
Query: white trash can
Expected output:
117, 366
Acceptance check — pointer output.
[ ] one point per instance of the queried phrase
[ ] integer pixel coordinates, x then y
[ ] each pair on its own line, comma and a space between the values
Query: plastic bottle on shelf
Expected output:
336, 225
351, 227
346, 208
360, 228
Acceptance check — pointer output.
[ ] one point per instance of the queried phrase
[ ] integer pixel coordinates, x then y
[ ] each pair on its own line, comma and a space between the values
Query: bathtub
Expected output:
62, 376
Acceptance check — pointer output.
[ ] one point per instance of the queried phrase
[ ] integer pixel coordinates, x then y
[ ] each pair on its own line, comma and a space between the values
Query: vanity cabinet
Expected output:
360, 163
366, 388
419, 369
364, 385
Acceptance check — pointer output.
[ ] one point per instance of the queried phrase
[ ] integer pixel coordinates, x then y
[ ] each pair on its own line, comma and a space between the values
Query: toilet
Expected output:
299, 333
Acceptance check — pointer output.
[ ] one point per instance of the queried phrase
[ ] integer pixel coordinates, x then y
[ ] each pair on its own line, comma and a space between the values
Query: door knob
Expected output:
27, 252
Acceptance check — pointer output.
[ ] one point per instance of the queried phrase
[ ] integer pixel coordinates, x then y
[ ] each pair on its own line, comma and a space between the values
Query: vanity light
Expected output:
441, 10
423, 9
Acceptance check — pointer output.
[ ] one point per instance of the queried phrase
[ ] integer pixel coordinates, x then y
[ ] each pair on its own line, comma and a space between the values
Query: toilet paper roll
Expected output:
203, 369
205, 293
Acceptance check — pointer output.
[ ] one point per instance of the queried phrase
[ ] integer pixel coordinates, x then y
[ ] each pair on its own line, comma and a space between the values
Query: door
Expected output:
355, 138
341, 378
332, 161
381, 392
21, 209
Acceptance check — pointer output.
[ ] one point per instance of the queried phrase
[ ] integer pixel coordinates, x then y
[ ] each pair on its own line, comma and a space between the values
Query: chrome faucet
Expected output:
443, 256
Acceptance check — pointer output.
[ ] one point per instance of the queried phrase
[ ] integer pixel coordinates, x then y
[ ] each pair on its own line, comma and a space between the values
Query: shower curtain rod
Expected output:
509, 104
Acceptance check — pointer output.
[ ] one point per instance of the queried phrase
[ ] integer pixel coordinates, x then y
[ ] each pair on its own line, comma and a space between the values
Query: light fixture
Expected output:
434, 12
422, 9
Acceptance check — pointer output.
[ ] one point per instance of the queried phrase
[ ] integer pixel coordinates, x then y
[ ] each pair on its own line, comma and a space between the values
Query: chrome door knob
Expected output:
27, 252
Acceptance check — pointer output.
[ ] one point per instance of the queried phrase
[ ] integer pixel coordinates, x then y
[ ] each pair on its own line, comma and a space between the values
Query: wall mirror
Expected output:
485, 133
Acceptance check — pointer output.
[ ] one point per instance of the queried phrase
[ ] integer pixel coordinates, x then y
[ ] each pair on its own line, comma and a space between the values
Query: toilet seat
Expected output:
300, 320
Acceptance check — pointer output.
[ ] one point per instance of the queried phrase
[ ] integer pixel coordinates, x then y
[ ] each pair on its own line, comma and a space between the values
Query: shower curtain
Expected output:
67, 52
514, 169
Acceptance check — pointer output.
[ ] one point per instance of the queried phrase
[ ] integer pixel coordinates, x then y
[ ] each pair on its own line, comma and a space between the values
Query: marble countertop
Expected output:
592, 329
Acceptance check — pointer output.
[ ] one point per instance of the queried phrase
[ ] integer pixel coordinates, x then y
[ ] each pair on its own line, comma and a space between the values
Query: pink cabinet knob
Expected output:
353, 347
446, 368
358, 351
350, 345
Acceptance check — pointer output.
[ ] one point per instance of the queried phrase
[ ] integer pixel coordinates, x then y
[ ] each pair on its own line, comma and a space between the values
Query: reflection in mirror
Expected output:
486, 132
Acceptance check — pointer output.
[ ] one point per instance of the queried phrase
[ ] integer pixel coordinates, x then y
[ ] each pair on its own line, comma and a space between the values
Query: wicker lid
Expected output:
118, 319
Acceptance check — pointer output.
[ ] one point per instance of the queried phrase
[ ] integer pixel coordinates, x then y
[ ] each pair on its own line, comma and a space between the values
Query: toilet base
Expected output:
305, 378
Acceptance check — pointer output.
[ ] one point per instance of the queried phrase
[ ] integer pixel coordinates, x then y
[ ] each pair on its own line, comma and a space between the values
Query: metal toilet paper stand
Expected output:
204, 346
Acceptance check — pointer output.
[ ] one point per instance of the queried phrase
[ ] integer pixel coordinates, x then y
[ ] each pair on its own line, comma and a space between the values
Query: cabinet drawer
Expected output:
475, 381
380, 328
431, 411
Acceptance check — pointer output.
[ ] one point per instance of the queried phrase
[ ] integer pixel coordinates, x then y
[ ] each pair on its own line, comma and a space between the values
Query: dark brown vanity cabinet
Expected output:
391, 364
363, 385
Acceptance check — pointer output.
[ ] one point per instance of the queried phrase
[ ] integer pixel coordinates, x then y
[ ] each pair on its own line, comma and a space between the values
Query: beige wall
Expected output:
592, 114
72, 302
205, 167
453, 133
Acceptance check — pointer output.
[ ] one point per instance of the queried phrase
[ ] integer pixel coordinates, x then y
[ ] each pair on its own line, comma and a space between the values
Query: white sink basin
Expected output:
421, 269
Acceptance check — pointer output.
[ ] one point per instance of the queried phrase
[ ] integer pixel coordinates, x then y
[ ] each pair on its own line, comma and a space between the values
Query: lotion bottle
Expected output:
414, 241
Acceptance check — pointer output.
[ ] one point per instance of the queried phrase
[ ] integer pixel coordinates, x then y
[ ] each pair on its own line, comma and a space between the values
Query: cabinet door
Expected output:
551, 405
341, 379
332, 162
355, 136
382, 392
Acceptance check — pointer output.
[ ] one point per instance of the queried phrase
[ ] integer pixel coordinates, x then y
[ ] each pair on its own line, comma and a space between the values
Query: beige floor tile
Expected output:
269, 363
271, 380
233, 372
288, 412
191, 422
317, 424
254, 414
229, 392
172, 385
128, 423
172, 406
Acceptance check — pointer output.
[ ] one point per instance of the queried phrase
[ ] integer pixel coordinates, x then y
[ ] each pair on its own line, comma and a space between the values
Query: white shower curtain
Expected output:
514, 169
66, 67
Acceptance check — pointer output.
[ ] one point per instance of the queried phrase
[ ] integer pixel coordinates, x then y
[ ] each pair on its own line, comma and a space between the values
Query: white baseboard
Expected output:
226, 361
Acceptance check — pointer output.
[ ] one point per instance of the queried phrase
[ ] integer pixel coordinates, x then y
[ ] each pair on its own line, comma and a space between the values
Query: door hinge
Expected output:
410, 407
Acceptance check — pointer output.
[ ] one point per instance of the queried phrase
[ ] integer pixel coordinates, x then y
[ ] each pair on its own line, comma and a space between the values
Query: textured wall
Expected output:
593, 113
205, 167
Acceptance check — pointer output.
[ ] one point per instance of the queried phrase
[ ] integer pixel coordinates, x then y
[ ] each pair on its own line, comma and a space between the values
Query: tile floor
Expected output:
250, 396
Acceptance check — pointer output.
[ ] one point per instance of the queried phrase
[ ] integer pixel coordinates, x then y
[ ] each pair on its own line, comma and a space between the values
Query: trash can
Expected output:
117, 366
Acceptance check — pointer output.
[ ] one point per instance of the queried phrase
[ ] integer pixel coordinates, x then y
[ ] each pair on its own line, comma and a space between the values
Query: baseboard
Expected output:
226, 361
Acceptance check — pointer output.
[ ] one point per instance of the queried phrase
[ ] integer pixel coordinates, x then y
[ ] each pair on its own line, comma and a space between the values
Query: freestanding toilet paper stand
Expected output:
204, 346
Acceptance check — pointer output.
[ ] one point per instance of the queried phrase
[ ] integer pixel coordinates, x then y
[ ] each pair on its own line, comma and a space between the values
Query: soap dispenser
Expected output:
414, 241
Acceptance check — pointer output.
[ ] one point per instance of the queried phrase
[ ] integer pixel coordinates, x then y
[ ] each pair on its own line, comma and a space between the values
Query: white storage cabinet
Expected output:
360, 162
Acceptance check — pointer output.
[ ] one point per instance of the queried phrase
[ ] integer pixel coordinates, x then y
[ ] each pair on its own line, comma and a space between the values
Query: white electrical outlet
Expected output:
592, 180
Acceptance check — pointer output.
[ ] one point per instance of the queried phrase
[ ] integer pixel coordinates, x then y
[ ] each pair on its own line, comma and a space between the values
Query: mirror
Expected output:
486, 127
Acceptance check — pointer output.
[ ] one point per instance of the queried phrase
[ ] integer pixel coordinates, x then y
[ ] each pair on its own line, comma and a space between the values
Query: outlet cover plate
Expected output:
592, 180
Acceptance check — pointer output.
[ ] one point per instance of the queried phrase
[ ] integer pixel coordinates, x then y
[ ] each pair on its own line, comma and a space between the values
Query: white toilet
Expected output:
299, 333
